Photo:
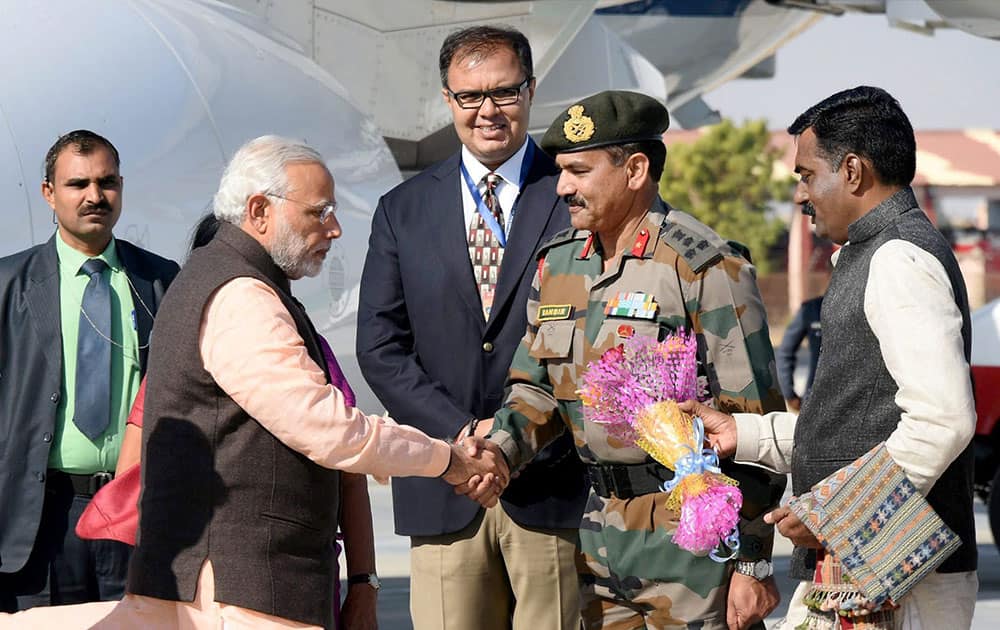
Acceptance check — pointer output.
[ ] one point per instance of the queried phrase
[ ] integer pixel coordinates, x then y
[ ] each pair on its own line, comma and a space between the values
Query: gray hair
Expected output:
258, 167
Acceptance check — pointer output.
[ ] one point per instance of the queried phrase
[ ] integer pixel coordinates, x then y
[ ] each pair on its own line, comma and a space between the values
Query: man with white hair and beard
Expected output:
244, 436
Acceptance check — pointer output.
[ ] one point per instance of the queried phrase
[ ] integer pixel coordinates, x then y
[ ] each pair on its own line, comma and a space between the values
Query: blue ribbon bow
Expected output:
694, 463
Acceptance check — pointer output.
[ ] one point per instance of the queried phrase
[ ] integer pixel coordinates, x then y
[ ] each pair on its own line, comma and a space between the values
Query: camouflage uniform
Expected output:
635, 577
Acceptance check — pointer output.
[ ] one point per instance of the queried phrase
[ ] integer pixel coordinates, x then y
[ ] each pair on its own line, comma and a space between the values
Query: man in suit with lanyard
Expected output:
76, 315
442, 309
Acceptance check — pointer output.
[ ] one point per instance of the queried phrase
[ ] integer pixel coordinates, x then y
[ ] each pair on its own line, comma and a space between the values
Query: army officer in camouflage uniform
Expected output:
663, 270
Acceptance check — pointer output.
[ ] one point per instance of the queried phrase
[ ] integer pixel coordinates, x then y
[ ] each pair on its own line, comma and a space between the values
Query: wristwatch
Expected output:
365, 578
759, 570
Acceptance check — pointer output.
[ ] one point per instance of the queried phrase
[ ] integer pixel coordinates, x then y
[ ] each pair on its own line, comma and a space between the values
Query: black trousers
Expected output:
63, 568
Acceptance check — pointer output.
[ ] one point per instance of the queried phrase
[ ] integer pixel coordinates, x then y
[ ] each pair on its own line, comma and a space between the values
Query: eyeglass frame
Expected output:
329, 209
490, 94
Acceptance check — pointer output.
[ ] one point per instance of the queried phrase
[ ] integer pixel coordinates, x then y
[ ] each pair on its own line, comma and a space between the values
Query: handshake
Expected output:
478, 468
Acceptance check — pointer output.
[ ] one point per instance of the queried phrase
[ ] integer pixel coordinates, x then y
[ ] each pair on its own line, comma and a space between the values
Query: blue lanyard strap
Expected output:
484, 212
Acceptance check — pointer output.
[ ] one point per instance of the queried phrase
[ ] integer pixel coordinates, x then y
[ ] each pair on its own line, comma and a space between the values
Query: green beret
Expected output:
606, 118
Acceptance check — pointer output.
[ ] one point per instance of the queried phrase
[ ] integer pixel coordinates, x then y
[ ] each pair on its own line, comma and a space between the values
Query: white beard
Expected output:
290, 252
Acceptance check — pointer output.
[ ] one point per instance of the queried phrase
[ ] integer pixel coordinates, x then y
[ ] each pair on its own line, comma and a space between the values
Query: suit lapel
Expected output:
42, 297
449, 234
143, 293
534, 208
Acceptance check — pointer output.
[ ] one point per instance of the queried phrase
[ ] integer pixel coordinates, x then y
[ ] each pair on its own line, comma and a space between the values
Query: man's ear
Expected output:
636, 170
258, 212
854, 168
48, 192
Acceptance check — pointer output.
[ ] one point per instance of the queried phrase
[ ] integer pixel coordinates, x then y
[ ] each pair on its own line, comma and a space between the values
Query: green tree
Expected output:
725, 180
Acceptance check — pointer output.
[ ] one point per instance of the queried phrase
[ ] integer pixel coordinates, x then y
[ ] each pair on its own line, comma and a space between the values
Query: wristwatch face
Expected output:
762, 569
365, 578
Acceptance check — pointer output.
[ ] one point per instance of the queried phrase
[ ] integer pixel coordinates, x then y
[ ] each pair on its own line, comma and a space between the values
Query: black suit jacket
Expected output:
31, 376
430, 357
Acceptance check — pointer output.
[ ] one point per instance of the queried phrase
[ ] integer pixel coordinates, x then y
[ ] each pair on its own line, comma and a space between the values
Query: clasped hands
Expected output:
720, 433
478, 468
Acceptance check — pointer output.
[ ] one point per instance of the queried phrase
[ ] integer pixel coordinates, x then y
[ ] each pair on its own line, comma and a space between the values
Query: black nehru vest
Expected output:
851, 406
218, 486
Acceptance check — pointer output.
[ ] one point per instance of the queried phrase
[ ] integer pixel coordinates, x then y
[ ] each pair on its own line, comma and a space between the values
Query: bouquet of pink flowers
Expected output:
633, 390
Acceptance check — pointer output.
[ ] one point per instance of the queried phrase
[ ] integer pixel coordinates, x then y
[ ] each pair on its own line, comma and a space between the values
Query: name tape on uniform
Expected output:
554, 312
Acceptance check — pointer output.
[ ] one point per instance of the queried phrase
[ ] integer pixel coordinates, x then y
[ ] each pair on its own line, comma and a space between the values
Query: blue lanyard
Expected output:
484, 212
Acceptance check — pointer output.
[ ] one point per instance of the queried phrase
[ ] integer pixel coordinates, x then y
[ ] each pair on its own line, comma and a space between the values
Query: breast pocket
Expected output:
554, 345
554, 340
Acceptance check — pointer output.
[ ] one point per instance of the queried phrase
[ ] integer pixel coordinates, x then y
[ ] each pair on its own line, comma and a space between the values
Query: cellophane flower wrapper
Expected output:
629, 378
708, 501
633, 391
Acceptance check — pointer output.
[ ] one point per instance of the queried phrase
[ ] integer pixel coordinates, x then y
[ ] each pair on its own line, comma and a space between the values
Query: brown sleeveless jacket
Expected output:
217, 485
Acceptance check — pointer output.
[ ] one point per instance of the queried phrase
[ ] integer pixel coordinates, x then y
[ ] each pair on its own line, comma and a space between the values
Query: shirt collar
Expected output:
70, 260
510, 170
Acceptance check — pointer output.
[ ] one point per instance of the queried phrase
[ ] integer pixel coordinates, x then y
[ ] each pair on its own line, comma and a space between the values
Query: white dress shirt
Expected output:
507, 188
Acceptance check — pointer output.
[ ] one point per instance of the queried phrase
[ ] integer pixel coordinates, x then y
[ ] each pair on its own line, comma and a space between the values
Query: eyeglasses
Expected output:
500, 96
324, 213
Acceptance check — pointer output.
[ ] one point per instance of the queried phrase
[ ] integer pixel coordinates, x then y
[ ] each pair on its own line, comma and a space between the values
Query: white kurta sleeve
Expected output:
910, 307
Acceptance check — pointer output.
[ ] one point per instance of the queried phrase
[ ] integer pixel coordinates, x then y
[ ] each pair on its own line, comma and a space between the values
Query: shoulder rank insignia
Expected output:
695, 242
554, 312
578, 128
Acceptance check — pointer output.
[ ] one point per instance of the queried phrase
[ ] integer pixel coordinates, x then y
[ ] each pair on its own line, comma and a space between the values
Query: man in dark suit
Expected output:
76, 315
805, 325
442, 309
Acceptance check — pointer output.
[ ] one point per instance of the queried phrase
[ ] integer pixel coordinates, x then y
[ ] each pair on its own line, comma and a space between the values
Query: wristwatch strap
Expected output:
757, 569
365, 578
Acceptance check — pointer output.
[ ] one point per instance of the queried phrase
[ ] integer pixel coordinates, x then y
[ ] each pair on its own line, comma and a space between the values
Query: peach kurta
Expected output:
250, 346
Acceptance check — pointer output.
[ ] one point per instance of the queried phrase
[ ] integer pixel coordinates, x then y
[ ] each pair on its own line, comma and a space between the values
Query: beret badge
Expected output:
578, 128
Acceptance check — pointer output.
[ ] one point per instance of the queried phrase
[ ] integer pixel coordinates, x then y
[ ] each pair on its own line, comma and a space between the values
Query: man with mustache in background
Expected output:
76, 316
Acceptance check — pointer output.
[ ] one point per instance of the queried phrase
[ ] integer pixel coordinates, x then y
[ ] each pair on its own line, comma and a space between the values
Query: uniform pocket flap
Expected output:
554, 340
